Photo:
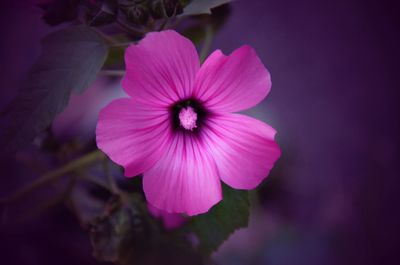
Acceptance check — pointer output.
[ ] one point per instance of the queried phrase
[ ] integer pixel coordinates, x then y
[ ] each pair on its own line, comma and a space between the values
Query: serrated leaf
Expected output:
214, 227
200, 7
69, 62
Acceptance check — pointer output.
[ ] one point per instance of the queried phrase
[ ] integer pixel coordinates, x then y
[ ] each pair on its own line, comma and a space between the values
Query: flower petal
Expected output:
161, 69
131, 136
185, 179
243, 149
232, 83
170, 220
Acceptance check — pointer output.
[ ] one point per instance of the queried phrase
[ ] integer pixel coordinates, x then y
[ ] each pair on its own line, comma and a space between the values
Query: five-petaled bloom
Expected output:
178, 129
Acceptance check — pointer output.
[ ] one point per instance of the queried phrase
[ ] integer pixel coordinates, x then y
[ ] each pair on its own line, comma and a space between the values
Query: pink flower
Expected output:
169, 220
178, 129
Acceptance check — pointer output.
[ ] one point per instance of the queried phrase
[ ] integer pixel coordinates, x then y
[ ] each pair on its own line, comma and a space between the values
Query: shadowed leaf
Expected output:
69, 62
196, 33
214, 227
199, 7
127, 234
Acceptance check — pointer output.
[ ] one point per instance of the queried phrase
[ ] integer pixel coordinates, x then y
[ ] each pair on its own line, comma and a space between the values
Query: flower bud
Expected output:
157, 9
102, 13
136, 13
172, 7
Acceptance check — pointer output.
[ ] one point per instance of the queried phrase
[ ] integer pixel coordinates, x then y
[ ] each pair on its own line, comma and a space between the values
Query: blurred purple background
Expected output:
333, 196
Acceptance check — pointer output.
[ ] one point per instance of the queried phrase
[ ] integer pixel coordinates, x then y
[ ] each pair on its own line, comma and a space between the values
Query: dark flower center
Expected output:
188, 115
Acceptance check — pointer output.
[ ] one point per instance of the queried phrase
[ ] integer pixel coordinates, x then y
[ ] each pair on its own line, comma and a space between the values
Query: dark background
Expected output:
333, 196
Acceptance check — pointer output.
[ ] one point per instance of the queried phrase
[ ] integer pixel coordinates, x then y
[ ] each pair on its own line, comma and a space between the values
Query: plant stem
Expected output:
163, 24
122, 44
111, 181
54, 175
112, 72
207, 43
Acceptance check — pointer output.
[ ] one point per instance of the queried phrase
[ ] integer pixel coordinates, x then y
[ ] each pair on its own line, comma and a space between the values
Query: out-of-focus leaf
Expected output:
109, 232
127, 234
85, 206
107, 13
69, 62
197, 32
199, 7
157, 9
136, 13
214, 227
172, 7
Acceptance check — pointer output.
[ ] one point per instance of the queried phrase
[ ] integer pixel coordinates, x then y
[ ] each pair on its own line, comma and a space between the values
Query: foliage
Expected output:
69, 62
126, 227
215, 226
199, 7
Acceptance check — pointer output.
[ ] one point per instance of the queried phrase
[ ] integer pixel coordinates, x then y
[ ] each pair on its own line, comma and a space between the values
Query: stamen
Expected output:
188, 118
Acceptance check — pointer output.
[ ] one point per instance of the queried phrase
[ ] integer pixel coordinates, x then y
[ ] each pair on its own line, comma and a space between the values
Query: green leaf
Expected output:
195, 33
200, 7
214, 227
69, 62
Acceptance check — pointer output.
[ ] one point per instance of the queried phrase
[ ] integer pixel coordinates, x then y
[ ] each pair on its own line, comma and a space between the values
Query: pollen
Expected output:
188, 118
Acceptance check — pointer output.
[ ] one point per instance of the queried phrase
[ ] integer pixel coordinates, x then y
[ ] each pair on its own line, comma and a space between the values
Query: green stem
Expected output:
122, 44
111, 181
54, 175
112, 72
207, 43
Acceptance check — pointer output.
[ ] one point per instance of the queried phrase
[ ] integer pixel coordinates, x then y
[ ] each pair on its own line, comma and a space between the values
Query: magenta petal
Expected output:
131, 136
243, 149
232, 83
161, 69
170, 220
185, 180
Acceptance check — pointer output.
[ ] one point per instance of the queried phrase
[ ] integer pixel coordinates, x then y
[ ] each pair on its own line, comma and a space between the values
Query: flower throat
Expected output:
188, 115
